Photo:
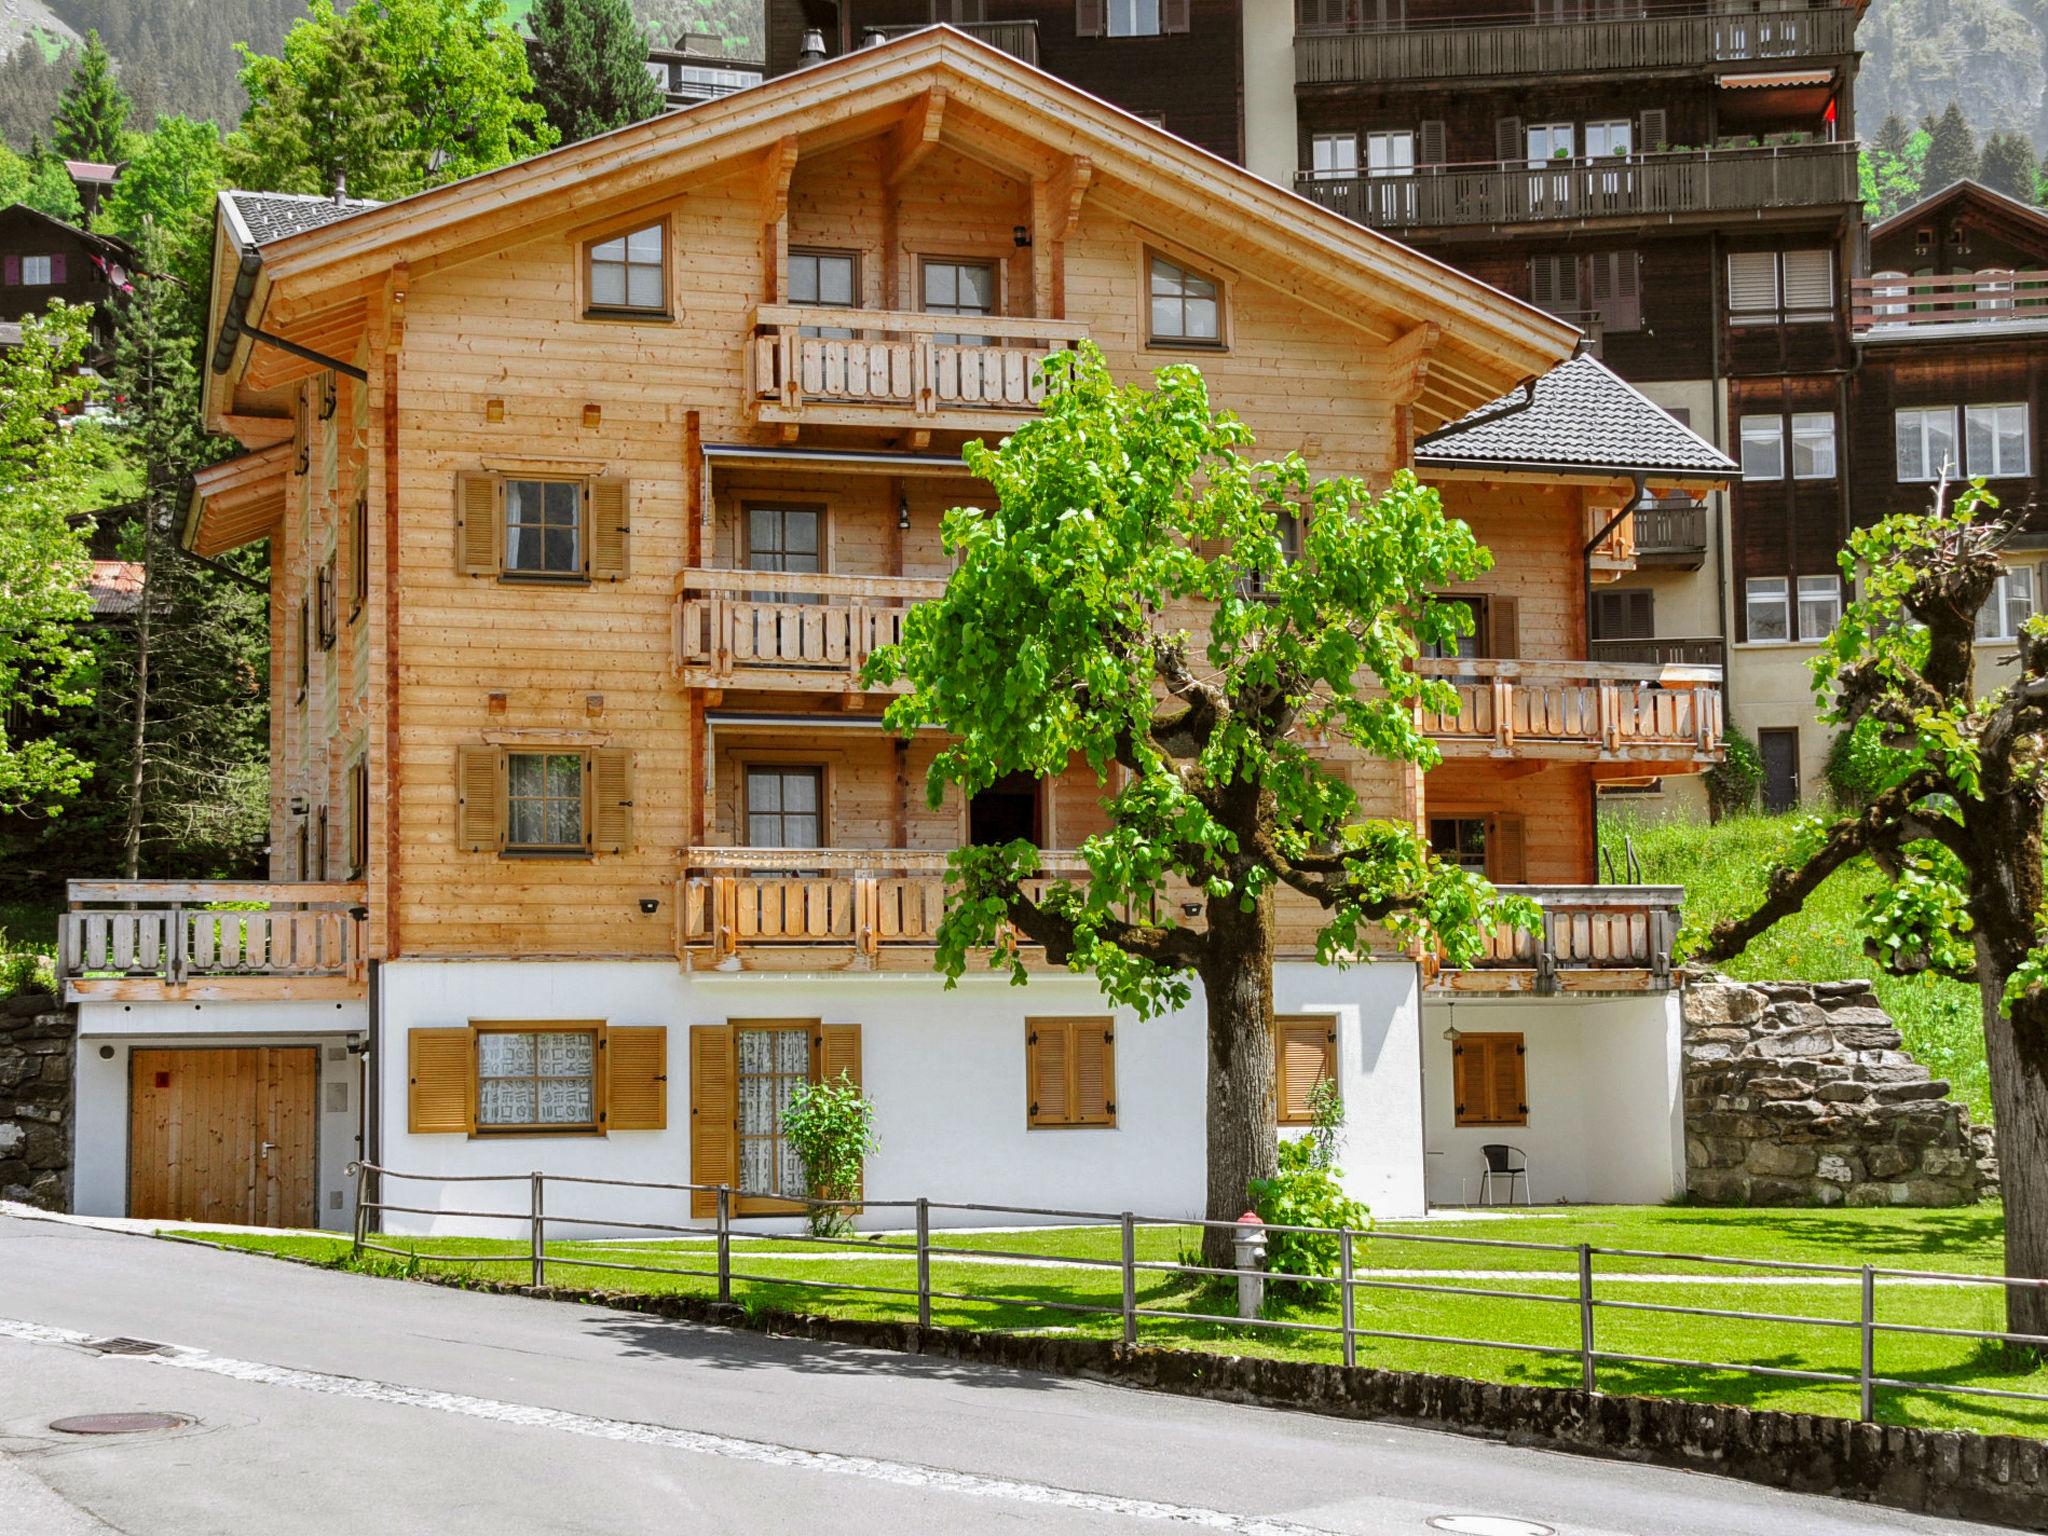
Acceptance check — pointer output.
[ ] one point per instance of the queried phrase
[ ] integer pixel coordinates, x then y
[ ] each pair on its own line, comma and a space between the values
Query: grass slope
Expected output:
1722, 869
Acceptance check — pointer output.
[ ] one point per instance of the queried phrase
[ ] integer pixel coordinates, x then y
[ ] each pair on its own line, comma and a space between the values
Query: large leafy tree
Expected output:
391, 96
43, 560
48, 187
1128, 602
590, 66
1956, 825
92, 120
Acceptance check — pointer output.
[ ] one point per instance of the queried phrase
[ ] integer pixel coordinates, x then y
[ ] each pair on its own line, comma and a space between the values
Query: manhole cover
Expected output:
1488, 1525
122, 1345
118, 1423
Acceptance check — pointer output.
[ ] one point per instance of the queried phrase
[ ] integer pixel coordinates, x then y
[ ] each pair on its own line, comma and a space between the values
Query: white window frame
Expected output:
1815, 432
1820, 607
1548, 136
1910, 423
1888, 293
1333, 156
1998, 468
36, 271
1390, 152
2010, 605
1601, 138
1767, 593
1130, 18
1759, 430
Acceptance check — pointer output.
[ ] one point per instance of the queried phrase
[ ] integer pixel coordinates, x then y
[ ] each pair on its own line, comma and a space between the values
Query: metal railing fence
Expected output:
1348, 1282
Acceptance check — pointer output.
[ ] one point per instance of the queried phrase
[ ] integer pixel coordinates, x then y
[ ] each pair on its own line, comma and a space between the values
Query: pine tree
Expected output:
590, 66
50, 187
1952, 156
2007, 165
92, 118
1892, 135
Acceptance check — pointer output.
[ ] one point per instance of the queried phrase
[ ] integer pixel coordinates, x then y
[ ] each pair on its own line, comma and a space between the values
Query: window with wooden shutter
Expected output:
1752, 282
1175, 15
1433, 142
714, 1101
439, 1098
1654, 132
1615, 290
1809, 284
1091, 18
1489, 1081
479, 799
359, 557
305, 644
1507, 859
1070, 1072
1554, 284
1508, 147
636, 1092
479, 524
611, 800
358, 817
1625, 615
1503, 632
839, 1058
610, 529
1304, 1054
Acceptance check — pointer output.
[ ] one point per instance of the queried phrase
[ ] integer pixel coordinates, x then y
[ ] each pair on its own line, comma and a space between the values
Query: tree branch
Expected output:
1176, 948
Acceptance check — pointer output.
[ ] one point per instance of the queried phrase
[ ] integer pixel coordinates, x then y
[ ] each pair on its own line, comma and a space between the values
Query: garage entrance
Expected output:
224, 1134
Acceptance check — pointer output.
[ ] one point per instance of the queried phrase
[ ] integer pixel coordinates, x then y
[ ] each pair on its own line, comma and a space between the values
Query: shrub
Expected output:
1733, 782
1858, 766
1305, 1193
831, 1126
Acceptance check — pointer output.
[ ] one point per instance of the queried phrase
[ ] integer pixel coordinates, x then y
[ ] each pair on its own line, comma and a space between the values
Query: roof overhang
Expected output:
237, 501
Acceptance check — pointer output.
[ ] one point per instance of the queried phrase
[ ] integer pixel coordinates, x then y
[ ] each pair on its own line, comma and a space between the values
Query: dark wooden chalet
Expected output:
42, 258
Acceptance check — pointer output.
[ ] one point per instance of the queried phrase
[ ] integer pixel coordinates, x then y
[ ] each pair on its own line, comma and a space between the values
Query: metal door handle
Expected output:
268, 1147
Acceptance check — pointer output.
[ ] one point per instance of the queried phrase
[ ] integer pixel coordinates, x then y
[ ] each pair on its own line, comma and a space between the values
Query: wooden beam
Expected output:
1069, 187
916, 136
1404, 364
778, 166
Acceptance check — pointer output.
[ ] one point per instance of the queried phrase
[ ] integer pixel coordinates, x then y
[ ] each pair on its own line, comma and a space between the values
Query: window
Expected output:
1134, 18
358, 818
1770, 287
529, 529
1766, 602
1186, 306
1752, 282
1888, 293
1459, 840
42, 271
1010, 810
2010, 605
1334, 155
960, 288
537, 1079
827, 278
1813, 446
1820, 606
1763, 447
359, 558
1994, 288
783, 539
1609, 139
627, 272
1465, 646
1625, 615
1488, 1080
1809, 278
544, 527
1391, 153
1554, 285
1926, 440
1548, 142
1304, 1054
1995, 441
1069, 1072
774, 1060
785, 807
544, 802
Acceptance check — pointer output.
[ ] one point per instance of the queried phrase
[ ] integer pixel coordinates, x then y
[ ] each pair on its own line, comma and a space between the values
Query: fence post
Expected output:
924, 1262
1588, 1375
1130, 1280
725, 1242
540, 1249
1344, 1293
362, 1226
1867, 1409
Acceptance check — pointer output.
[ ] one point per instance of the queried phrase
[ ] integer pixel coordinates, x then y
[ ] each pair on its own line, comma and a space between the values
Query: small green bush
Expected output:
1733, 782
831, 1126
1305, 1193
1858, 767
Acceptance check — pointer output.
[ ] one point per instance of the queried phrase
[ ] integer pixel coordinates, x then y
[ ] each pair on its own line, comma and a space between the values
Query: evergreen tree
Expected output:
50, 187
91, 120
1892, 135
1951, 154
30, 88
2007, 165
590, 66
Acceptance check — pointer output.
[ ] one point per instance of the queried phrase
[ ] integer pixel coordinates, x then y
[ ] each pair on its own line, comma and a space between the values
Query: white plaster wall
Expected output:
1772, 688
944, 1069
1605, 1107
1269, 123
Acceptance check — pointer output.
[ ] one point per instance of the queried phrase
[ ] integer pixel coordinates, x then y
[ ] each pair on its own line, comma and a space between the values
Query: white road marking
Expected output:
899, 1474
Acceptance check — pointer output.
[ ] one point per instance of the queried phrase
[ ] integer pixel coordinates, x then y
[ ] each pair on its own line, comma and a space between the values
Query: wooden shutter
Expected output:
1507, 858
359, 557
714, 1100
1503, 634
1489, 1080
358, 817
1092, 1049
636, 1097
1508, 144
479, 814
1615, 290
1752, 281
1304, 1053
60, 268
1809, 281
479, 525
1626, 615
1432, 142
1091, 18
440, 1094
1174, 15
1654, 129
1045, 1072
1070, 1071
611, 800
839, 1053
610, 528
1469, 1081
1504, 1076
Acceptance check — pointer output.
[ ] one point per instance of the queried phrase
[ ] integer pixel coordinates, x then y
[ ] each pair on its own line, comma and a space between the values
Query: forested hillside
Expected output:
1989, 55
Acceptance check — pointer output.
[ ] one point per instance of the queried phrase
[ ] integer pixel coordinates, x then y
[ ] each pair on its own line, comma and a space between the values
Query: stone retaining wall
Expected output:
1804, 1094
36, 1035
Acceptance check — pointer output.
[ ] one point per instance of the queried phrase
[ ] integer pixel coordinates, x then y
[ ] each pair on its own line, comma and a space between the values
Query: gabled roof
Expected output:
95, 172
105, 245
267, 216
115, 587
1579, 416
1966, 190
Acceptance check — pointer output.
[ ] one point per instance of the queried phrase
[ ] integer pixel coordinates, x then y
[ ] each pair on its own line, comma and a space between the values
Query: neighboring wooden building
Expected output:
42, 258
588, 484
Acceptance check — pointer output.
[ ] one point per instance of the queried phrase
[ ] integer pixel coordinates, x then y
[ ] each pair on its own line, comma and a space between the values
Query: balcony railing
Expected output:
1578, 711
940, 370
1684, 651
1700, 181
1630, 44
1019, 39
1897, 302
1596, 929
780, 630
136, 938
1672, 533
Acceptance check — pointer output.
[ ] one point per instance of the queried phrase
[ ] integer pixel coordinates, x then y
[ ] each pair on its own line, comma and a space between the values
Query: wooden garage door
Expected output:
224, 1135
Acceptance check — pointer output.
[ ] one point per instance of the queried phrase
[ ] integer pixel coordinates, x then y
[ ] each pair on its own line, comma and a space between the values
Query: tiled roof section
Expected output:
272, 216
1582, 417
115, 587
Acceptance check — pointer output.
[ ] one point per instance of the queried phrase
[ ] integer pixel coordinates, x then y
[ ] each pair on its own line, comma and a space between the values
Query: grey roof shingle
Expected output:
272, 216
1582, 417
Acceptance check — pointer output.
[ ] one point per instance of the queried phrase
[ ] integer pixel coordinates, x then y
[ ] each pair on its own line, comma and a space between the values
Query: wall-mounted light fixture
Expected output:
1022, 235
300, 805
649, 905
1191, 909
903, 512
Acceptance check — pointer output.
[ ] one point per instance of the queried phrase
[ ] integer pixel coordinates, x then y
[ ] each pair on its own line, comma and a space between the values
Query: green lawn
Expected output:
1722, 869
1018, 1293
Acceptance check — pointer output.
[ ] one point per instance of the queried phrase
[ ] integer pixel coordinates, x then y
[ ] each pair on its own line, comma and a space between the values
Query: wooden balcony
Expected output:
1019, 39
1554, 50
898, 368
1659, 651
1667, 188
1577, 711
1595, 938
1672, 533
1898, 307
808, 633
207, 940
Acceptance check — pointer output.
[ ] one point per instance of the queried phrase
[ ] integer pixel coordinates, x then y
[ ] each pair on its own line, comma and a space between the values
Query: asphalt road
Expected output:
322, 1402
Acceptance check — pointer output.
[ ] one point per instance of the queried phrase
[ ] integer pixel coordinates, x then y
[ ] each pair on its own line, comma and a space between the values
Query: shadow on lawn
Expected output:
1962, 1229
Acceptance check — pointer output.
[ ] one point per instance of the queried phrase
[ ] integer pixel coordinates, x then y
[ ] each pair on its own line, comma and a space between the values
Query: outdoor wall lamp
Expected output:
649, 905
1022, 235
903, 512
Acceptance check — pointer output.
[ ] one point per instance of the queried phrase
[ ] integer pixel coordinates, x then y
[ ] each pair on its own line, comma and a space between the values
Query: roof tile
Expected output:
272, 216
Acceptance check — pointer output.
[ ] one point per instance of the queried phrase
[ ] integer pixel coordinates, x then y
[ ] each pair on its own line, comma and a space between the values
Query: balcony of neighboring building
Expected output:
212, 940
1017, 38
699, 69
1671, 532
1432, 43
1897, 306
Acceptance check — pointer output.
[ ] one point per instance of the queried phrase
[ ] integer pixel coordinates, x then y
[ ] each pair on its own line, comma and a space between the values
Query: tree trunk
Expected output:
2016, 1050
1237, 978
